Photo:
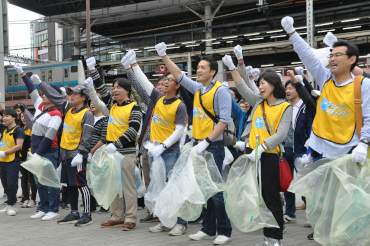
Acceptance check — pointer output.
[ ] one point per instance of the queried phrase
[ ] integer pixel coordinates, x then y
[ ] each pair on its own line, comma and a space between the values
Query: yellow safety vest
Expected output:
7, 142
28, 132
273, 117
163, 120
118, 121
335, 118
202, 124
72, 130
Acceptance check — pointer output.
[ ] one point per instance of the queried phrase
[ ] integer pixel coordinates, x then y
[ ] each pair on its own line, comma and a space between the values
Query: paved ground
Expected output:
22, 230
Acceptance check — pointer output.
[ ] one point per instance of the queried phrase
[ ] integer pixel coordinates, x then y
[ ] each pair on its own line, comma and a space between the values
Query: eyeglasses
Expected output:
169, 79
338, 54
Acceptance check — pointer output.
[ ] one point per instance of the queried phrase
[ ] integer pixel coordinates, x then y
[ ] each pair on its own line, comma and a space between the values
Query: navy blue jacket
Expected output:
302, 130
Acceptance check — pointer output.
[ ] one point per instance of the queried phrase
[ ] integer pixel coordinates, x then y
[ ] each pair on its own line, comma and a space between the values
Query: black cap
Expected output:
79, 89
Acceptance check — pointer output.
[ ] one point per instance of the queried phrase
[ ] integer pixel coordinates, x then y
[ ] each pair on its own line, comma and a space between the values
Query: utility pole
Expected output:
88, 38
310, 32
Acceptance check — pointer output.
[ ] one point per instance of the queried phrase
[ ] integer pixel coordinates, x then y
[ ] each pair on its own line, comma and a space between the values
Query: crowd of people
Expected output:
290, 118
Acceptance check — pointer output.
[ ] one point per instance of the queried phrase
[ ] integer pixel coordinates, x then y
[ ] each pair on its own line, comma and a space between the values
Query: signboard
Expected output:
162, 69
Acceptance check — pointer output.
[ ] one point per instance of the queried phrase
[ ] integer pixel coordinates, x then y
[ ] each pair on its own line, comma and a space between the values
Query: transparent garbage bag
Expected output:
104, 176
195, 178
187, 146
44, 170
243, 199
140, 185
157, 179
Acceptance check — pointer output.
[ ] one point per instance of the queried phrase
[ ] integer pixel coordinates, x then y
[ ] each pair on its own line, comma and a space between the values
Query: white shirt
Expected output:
296, 108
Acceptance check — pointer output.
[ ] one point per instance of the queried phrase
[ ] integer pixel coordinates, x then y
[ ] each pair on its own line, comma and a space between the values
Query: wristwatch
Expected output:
366, 141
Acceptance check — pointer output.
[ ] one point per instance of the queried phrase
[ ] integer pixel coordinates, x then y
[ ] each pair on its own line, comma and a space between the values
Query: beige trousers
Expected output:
146, 170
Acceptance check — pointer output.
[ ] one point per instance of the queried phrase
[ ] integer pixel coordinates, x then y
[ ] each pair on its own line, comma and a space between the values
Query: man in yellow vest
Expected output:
11, 142
211, 95
78, 127
167, 126
123, 125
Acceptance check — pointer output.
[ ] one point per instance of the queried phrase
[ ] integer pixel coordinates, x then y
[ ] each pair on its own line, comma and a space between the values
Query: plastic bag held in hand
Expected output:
228, 61
161, 49
238, 52
287, 23
330, 39
90, 63
140, 185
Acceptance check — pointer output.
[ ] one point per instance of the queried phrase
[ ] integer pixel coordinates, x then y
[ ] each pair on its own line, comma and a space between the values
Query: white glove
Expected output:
238, 52
307, 158
299, 70
19, 69
89, 83
330, 39
35, 79
64, 93
111, 148
281, 77
2, 154
228, 61
77, 160
131, 57
161, 49
201, 146
240, 145
300, 79
255, 73
157, 151
90, 63
249, 70
359, 154
260, 150
287, 23
225, 84
35, 156
125, 62
89, 157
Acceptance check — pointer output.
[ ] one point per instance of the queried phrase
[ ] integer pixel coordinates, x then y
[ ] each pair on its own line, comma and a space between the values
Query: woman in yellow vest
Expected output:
278, 115
11, 142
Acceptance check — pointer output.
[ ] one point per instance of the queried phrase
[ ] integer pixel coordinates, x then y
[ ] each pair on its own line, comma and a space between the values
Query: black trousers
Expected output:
270, 176
28, 177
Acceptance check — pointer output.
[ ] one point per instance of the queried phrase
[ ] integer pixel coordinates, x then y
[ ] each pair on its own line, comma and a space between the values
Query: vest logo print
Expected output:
333, 109
260, 123
200, 114
4, 145
68, 129
159, 120
116, 121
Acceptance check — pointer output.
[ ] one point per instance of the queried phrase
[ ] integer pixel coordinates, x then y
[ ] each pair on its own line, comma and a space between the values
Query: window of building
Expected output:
66, 73
43, 76
15, 79
10, 79
50, 76
74, 69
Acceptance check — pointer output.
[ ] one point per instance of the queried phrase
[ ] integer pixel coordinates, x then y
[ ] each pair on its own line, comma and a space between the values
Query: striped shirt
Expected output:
100, 126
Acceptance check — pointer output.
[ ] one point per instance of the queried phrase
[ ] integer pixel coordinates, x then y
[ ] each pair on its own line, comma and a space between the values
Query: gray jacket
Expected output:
254, 100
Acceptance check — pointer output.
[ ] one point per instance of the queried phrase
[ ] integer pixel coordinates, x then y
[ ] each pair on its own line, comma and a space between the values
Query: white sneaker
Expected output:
5, 210
25, 203
10, 210
201, 236
274, 242
158, 228
38, 215
51, 216
307, 224
31, 204
265, 242
288, 219
221, 239
178, 230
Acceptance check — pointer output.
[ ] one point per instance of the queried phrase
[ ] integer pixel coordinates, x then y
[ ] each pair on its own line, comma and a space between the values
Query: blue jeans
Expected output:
49, 196
215, 217
170, 157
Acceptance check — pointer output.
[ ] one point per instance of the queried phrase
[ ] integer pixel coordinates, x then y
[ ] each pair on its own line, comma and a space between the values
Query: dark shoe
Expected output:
310, 236
128, 226
85, 220
302, 207
111, 223
64, 205
149, 218
71, 218
103, 210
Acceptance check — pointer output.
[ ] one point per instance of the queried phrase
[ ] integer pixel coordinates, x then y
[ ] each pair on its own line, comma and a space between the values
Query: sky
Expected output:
19, 29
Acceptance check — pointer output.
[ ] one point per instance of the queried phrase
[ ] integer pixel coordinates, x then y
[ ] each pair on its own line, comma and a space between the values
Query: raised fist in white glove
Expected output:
330, 39
161, 49
89, 157
287, 23
249, 70
299, 70
77, 160
359, 154
202, 146
125, 62
300, 79
89, 83
19, 69
228, 61
281, 77
255, 73
111, 148
35, 79
90, 63
225, 84
157, 151
64, 93
131, 57
260, 150
238, 52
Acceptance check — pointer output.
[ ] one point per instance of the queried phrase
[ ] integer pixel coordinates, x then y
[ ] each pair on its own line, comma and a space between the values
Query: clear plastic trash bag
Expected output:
243, 200
44, 170
195, 178
140, 185
104, 176
338, 200
157, 179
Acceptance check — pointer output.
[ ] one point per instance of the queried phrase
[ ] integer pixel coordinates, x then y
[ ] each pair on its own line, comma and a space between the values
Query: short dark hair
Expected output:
10, 112
212, 63
124, 83
352, 50
57, 89
271, 77
21, 106
237, 94
288, 82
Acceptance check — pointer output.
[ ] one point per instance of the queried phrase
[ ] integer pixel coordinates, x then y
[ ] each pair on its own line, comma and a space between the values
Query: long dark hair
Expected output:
271, 77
